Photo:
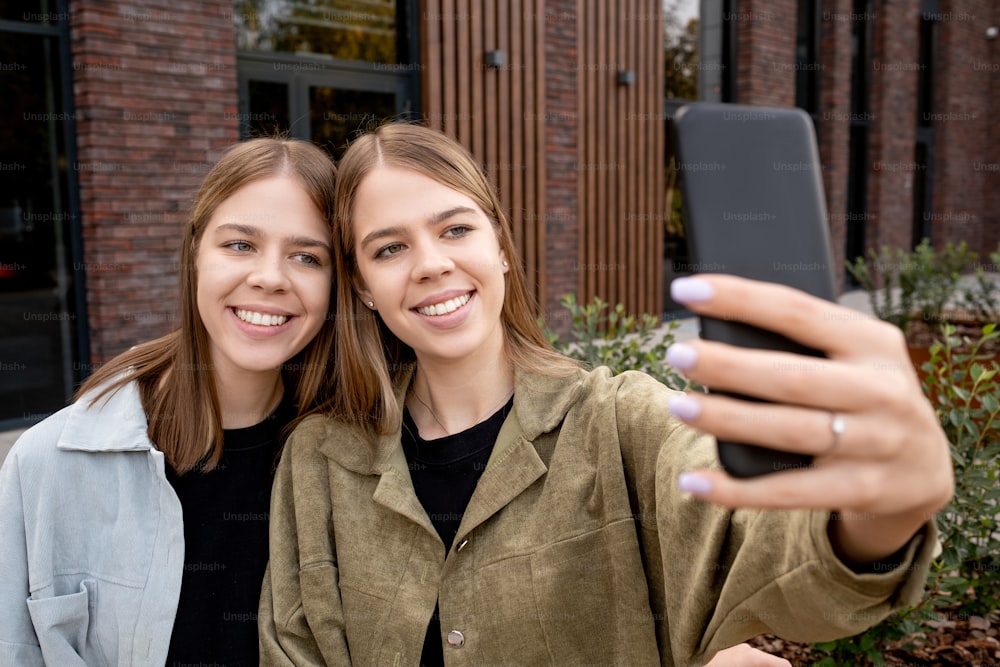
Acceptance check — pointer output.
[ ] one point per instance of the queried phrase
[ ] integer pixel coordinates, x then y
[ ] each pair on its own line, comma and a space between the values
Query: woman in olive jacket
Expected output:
475, 498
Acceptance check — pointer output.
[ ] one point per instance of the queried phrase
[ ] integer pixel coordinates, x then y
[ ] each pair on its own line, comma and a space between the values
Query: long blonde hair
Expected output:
369, 358
174, 373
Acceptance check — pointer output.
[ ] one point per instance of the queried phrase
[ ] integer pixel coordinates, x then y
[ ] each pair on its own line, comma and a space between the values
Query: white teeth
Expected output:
261, 319
449, 306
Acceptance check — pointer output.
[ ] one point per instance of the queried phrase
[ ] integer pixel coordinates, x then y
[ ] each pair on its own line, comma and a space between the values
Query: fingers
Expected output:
838, 331
790, 378
810, 431
848, 486
745, 655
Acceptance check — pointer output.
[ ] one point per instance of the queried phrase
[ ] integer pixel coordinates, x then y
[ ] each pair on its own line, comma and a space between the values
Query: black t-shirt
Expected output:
445, 473
225, 548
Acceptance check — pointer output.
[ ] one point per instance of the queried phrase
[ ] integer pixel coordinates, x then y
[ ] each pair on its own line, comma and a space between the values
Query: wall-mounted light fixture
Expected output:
495, 59
626, 77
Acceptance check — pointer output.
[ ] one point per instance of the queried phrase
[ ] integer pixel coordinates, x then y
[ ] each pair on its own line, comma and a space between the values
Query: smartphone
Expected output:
752, 191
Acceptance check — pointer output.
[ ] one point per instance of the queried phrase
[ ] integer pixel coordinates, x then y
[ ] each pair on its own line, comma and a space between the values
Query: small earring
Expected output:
505, 264
371, 304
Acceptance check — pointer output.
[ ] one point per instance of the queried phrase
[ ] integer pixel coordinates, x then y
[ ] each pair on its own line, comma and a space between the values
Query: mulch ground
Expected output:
971, 642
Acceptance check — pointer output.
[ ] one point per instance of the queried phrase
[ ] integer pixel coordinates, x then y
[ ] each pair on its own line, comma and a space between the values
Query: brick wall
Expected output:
895, 71
156, 97
561, 157
967, 129
765, 52
834, 123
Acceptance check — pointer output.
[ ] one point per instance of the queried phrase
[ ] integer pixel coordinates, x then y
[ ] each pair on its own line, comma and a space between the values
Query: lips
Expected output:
445, 307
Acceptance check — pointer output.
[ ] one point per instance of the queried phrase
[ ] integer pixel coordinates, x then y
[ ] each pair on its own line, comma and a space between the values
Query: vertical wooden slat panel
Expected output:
590, 156
515, 200
503, 76
449, 69
536, 10
463, 82
476, 87
643, 126
600, 214
489, 80
430, 54
631, 169
654, 101
622, 167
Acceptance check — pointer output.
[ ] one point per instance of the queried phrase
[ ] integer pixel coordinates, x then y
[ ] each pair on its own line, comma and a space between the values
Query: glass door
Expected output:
39, 324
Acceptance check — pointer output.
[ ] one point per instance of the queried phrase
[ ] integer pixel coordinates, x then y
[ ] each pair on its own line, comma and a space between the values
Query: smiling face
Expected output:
429, 259
263, 270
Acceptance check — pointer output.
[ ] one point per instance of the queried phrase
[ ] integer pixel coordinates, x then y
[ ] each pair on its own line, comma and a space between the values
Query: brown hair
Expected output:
370, 358
174, 373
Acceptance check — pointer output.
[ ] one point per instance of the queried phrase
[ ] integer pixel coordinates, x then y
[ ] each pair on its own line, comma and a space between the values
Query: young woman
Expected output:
134, 521
476, 498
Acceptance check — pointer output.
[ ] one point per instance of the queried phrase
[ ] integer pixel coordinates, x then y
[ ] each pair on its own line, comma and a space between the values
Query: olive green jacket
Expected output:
576, 548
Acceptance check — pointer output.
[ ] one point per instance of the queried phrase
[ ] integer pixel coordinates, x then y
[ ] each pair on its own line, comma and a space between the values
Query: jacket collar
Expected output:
540, 404
115, 423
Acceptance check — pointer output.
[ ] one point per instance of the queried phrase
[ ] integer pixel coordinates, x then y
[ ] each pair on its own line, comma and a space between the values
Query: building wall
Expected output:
765, 52
835, 121
965, 177
967, 126
895, 71
155, 93
576, 154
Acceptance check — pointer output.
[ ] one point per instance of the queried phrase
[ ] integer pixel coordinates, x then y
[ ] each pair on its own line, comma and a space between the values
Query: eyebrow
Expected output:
250, 230
435, 219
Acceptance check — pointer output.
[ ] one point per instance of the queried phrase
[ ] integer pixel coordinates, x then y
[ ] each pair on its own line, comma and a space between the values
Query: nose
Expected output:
431, 261
268, 273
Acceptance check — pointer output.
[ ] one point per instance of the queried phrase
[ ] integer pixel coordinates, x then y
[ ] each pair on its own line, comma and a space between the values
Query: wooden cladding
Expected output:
495, 111
621, 148
499, 113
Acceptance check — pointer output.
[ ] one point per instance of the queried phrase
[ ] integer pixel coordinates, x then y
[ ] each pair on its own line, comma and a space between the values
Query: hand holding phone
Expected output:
754, 207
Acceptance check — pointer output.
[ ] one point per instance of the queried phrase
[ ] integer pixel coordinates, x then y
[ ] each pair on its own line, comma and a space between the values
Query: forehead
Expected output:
397, 196
275, 202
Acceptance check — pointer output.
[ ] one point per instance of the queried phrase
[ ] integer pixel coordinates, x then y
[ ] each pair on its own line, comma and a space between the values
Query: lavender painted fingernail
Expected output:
684, 407
693, 483
682, 356
691, 290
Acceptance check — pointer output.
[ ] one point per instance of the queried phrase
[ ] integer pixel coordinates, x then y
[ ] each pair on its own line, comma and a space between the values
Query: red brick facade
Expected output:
765, 52
155, 89
965, 163
561, 156
967, 126
835, 122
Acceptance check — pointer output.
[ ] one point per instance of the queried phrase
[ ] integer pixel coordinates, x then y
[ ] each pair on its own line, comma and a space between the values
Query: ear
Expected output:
361, 290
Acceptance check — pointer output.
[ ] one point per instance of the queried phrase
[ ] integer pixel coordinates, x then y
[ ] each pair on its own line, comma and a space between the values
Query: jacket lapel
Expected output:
395, 489
514, 465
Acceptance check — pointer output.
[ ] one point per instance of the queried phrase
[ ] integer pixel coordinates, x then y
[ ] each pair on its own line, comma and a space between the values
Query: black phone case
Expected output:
754, 206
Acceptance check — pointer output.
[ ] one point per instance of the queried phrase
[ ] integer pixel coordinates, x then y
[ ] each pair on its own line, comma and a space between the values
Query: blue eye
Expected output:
306, 258
458, 231
239, 246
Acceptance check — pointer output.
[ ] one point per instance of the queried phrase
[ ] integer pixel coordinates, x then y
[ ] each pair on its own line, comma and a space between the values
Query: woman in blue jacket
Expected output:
134, 521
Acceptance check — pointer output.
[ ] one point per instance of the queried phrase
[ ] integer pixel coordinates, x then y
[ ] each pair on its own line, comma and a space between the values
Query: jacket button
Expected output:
456, 639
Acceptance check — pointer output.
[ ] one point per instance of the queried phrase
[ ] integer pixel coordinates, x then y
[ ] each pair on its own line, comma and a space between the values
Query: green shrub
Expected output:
964, 580
902, 284
609, 337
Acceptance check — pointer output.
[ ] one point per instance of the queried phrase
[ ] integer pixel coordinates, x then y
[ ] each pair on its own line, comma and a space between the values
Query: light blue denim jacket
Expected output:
91, 541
